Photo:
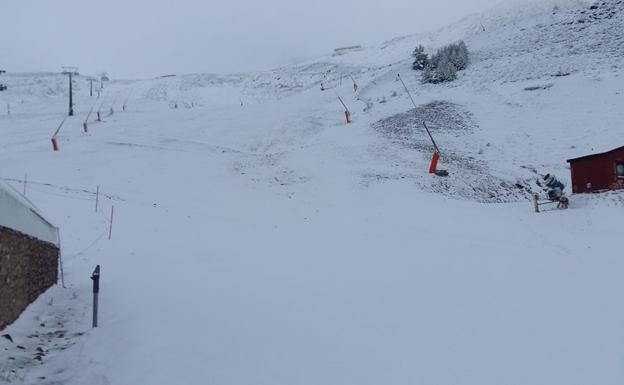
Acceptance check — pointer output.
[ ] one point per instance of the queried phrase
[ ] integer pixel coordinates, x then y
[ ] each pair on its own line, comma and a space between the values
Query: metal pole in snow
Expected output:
355, 86
97, 197
71, 96
112, 107
341, 102
431, 137
59, 127
347, 112
415, 106
54, 142
110, 228
127, 99
25, 181
407, 90
99, 116
86, 121
96, 291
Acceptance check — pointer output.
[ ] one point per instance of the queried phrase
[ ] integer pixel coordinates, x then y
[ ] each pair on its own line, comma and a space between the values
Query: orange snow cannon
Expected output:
434, 162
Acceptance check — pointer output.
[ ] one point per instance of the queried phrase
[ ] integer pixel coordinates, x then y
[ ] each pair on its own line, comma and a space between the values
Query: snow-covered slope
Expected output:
257, 238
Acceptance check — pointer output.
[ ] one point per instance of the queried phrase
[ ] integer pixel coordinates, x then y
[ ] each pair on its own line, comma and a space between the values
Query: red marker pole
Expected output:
54, 144
355, 86
347, 113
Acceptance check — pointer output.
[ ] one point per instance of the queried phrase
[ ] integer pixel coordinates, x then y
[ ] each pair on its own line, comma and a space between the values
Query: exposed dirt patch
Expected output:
453, 127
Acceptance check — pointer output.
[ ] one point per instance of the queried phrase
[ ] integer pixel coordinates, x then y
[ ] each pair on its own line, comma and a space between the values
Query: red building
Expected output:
598, 172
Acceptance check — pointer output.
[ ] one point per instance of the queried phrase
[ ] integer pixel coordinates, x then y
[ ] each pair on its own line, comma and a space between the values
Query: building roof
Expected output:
595, 155
20, 214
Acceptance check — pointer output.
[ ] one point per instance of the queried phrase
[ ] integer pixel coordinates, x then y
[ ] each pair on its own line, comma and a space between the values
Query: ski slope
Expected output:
258, 239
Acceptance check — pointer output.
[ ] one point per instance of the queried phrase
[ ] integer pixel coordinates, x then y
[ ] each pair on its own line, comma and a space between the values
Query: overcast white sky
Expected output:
142, 38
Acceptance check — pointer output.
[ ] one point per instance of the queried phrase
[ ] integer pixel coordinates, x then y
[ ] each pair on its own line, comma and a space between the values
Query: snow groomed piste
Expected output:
274, 243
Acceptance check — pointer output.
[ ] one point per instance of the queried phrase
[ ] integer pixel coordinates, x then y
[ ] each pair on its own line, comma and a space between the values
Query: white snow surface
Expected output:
271, 243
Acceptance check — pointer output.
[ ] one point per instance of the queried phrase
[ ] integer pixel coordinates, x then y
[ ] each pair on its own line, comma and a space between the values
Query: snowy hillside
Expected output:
259, 239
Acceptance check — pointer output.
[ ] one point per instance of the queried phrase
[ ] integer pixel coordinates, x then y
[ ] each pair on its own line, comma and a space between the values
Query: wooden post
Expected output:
110, 228
97, 197
536, 203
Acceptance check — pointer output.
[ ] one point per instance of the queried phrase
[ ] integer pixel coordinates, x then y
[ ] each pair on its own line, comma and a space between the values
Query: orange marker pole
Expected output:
434, 162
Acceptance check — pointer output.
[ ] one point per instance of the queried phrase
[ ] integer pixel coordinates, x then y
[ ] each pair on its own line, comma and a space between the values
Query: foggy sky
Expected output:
143, 38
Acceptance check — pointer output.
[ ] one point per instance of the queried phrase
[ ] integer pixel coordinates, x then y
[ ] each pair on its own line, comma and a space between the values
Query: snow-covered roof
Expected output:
596, 155
20, 214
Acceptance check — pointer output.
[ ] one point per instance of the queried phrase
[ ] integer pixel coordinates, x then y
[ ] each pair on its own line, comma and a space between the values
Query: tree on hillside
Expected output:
458, 55
445, 63
421, 59
444, 70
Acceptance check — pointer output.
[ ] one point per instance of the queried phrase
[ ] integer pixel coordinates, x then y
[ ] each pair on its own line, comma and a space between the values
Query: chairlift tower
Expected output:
103, 78
70, 71
91, 79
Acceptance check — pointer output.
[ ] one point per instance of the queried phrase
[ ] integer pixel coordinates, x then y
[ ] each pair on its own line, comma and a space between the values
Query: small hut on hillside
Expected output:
598, 172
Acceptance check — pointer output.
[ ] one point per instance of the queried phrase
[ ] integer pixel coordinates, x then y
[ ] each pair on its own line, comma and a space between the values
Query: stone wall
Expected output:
28, 267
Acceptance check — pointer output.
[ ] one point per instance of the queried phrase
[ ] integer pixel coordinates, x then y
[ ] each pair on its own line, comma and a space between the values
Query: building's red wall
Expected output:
599, 171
